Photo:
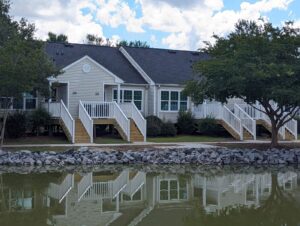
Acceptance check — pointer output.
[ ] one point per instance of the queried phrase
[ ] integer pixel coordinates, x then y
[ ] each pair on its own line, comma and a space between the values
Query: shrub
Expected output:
154, 125
168, 129
185, 122
38, 120
208, 126
16, 125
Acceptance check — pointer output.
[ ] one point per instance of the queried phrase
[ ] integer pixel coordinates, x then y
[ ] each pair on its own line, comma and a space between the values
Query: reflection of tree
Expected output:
279, 209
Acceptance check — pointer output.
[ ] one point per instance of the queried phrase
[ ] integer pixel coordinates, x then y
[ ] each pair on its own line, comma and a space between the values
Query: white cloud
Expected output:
187, 22
59, 17
190, 26
117, 12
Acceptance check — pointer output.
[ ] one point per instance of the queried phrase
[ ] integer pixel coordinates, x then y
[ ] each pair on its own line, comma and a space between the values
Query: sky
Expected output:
175, 24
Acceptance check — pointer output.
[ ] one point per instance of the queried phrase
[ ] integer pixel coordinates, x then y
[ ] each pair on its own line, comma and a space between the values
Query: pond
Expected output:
146, 195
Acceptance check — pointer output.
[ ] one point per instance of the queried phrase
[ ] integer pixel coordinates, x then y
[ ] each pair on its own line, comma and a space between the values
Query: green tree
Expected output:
24, 64
52, 37
136, 43
255, 63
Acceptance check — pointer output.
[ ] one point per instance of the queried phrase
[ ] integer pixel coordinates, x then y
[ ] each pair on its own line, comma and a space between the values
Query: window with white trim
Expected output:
128, 95
172, 190
173, 101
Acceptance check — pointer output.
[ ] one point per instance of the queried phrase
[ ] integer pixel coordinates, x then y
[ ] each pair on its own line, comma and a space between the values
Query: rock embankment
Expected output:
200, 156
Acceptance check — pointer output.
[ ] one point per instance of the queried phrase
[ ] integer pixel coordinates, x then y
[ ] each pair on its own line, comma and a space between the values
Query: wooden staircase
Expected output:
247, 135
135, 133
229, 129
289, 135
267, 126
81, 135
66, 131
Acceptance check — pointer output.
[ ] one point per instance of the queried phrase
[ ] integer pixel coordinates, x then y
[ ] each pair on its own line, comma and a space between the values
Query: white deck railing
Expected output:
68, 120
135, 184
86, 120
247, 121
108, 110
84, 185
59, 110
53, 108
219, 111
132, 112
106, 189
292, 127
60, 191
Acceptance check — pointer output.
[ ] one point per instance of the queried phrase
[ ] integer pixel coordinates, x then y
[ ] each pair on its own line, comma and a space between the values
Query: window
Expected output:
173, 101
173, 190
127, 96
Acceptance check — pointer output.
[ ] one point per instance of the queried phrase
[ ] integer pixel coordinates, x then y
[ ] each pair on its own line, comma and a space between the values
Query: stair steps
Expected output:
81, 135
247, 135
135, 133
231, 131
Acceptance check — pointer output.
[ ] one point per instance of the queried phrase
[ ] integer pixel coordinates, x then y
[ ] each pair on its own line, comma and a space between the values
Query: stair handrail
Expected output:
122, 120
68, 120
247, 121
233, 121
84, 185
131, 111
86, 120
292, 127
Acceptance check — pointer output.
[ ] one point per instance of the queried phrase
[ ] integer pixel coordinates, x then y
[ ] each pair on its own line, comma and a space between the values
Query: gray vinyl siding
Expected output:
169, 115
85, 86
150, 99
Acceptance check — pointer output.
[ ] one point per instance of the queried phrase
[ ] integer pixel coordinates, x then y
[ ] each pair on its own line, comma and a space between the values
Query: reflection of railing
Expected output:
85, 184
135, 183
61, 191
107, 189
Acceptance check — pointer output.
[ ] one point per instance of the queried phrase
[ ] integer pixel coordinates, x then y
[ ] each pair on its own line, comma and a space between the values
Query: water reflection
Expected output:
137, 198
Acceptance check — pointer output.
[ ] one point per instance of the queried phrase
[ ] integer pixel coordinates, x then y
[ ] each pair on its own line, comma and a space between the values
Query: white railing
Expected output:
53, 108
219, 111
122, 120
68, 120
247, 121
233, 121
132, 112
119, 183
292, 126
96, 109
107, 189
84, 185
135, 183
99, 109
86, 120
61, 191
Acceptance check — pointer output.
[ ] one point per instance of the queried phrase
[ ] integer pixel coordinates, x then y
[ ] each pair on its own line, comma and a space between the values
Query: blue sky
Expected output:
178, 24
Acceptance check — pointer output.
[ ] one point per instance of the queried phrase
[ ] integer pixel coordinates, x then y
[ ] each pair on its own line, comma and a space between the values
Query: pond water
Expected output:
145, 196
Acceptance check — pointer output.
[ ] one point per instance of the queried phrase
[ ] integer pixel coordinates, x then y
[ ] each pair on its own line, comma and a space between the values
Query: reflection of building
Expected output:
136, 198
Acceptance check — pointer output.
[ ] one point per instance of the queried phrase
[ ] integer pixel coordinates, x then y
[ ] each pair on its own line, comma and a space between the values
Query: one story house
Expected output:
123, 85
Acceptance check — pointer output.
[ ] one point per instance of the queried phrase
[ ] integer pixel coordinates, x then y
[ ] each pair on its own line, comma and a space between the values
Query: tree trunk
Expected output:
3, 127
274, 142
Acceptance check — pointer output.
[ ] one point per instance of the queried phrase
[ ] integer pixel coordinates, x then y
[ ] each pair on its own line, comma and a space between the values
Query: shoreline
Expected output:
152, 156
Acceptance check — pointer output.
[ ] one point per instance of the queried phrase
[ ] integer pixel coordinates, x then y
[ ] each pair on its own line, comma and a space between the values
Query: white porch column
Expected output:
118, 95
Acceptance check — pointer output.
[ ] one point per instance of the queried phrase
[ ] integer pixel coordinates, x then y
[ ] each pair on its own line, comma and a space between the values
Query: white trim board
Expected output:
136, 66
117, 79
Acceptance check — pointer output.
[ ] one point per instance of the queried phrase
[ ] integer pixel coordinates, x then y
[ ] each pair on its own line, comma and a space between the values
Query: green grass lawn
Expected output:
37, 140
188, 138
109, 140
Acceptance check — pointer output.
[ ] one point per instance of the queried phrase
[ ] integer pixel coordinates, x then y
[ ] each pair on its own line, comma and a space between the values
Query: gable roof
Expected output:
165, 66
109, 57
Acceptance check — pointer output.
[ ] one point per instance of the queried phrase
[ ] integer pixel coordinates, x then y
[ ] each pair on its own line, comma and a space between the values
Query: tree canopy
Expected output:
136, 43
24, 65
257, 63
52, 37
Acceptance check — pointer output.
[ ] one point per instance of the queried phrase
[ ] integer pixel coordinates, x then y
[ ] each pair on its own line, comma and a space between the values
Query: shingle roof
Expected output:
165, 66
109, 57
